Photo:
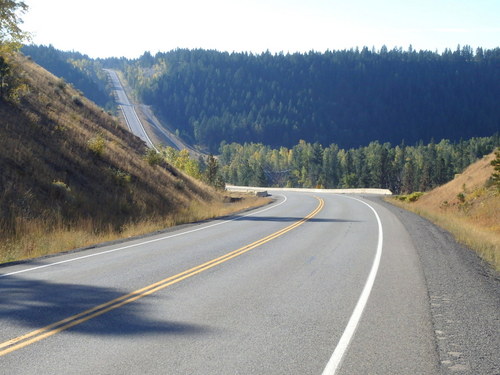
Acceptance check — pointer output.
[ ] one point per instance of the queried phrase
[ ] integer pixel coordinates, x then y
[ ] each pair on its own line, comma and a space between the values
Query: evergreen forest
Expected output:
350, 97
402, 169
326, 120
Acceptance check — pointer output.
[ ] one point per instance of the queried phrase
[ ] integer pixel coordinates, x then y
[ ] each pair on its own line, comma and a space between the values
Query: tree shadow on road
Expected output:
33, 304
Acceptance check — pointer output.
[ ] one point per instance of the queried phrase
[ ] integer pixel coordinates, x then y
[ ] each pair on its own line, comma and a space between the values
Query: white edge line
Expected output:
336, 359
144, 242
132, 107
125, 116
143, 129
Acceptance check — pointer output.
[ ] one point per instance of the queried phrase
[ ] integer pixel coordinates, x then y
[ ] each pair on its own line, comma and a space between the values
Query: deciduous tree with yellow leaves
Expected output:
11, 34
11, 38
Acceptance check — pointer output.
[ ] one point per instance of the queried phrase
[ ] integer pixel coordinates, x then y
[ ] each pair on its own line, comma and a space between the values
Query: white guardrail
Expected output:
256, 190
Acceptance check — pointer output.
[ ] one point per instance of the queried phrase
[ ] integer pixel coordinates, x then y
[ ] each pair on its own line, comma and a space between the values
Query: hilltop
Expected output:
71, 175
468, 207
349, 97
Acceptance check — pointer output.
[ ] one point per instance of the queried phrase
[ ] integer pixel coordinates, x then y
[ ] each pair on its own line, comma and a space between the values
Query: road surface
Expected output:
164, 135
311, 284
159, 133
133, 122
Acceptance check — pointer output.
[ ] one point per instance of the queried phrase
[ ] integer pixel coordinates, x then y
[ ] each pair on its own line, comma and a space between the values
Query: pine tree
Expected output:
4, 72
495, 177
211, 170
408, 177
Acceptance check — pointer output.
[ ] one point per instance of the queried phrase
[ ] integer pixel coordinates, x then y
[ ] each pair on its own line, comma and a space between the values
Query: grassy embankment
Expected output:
72, 176
468, 207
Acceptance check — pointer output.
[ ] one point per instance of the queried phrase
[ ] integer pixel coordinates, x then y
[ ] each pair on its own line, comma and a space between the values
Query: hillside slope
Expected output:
84, 73
70, 169
469, 208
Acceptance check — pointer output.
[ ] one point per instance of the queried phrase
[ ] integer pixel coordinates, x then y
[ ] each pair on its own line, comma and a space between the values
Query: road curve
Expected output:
270, 291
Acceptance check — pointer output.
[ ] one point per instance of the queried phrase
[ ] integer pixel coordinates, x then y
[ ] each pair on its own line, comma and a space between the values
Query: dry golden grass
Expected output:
71, 176
468, 208
34, 240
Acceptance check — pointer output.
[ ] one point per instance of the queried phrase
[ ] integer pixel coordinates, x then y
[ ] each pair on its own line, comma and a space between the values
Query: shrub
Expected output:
153, 157
413, 197
121, 178
61, 185
61, 190
61, 83
179, 185
96, 145
461, 197
76, 100
495, 177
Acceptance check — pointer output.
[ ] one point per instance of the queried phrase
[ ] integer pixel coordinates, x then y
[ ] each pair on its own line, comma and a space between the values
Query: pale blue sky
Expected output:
103, 28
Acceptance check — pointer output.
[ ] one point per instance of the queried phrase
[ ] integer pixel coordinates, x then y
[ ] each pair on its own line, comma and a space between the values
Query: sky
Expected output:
115, 28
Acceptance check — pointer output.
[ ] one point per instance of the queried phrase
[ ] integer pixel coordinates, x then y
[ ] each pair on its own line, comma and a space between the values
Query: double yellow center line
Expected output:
42, 333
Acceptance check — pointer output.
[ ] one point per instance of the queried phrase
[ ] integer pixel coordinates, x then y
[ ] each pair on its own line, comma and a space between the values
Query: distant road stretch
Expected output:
160, 134
314, 283
133, 122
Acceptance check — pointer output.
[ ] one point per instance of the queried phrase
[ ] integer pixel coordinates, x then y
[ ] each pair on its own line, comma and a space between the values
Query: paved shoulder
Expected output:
464, 297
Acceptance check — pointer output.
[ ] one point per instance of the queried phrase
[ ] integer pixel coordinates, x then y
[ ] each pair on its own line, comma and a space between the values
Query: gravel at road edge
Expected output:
464, 297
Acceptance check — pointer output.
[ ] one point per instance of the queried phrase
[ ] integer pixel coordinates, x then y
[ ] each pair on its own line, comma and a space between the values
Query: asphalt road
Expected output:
159, 133
312, 284
165, 136
128, 110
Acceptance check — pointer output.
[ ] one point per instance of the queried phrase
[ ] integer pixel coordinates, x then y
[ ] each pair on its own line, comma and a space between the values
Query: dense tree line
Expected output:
402, 168
272, 114
84, 73
348, 97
